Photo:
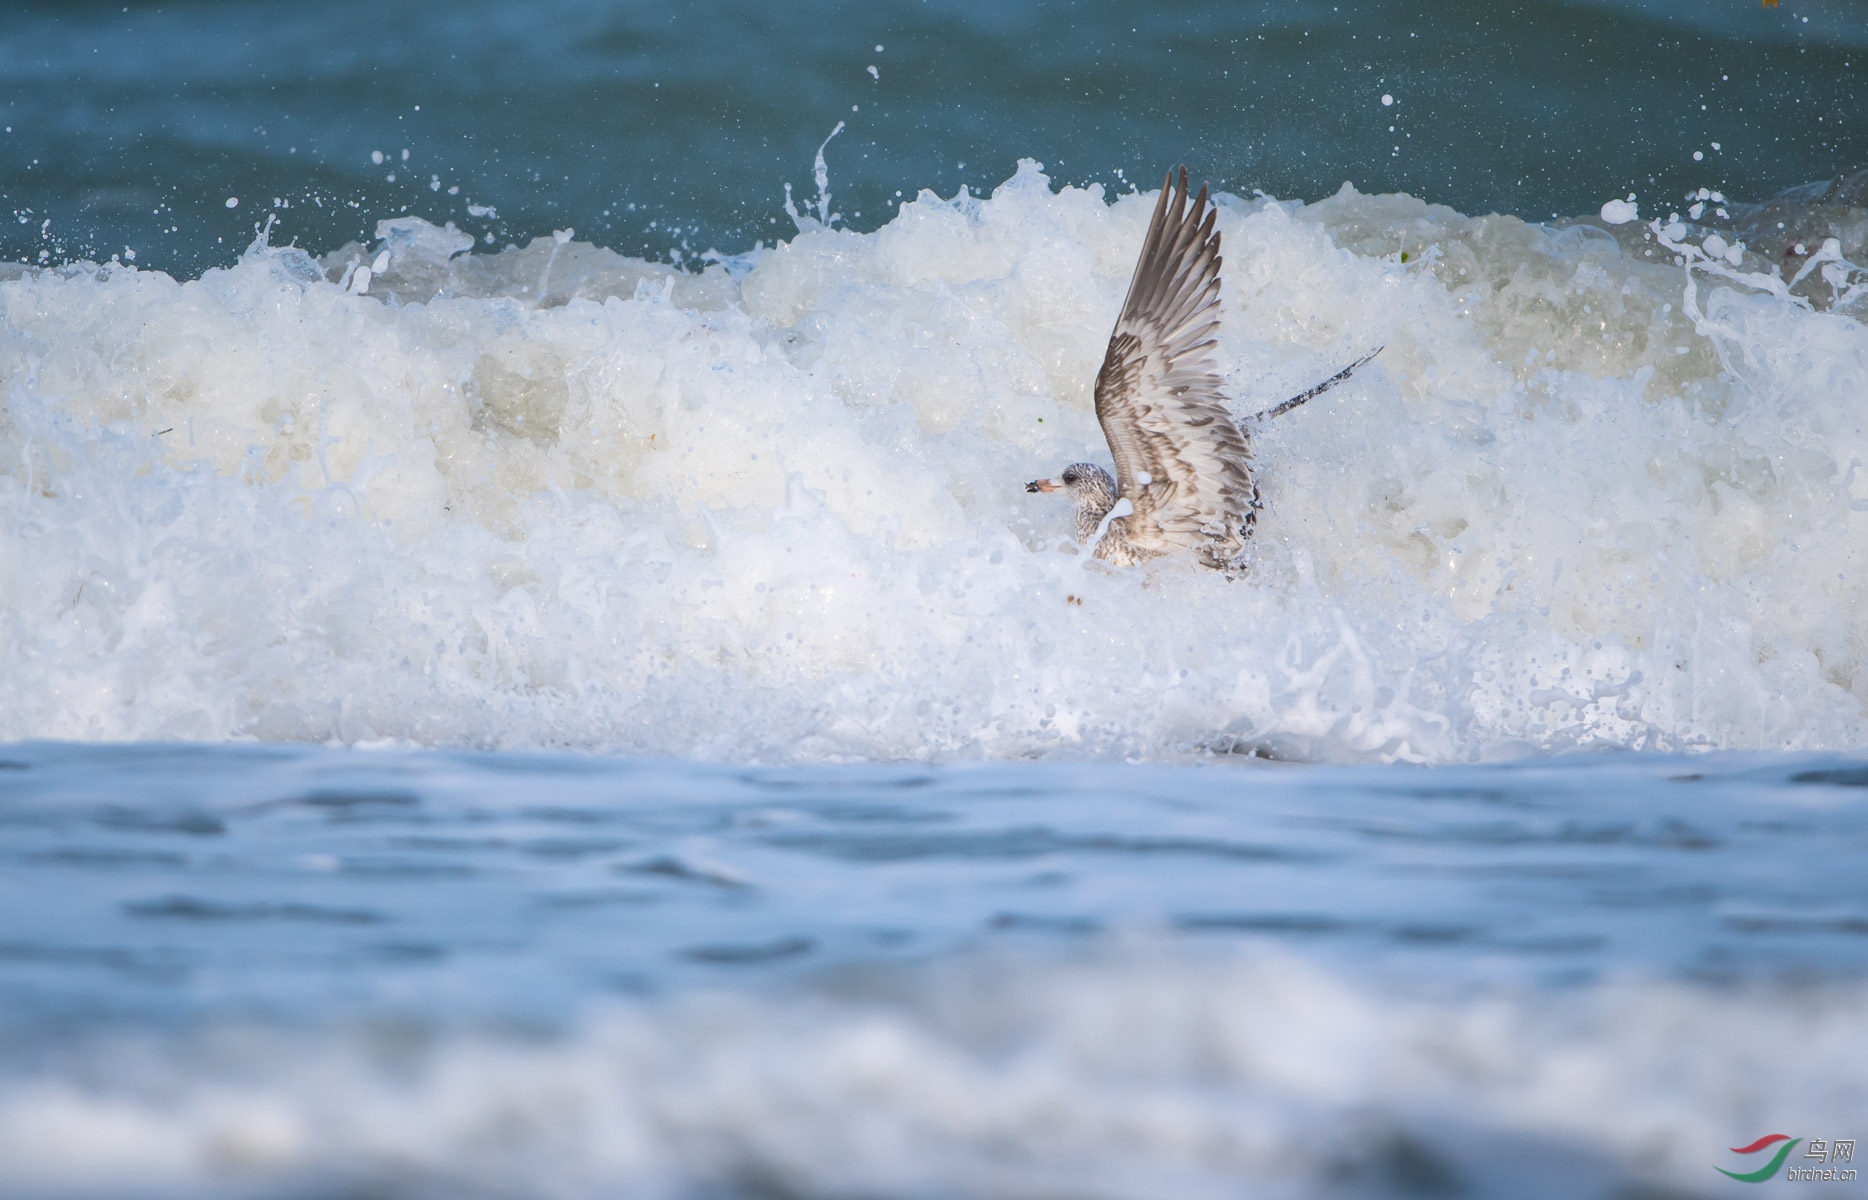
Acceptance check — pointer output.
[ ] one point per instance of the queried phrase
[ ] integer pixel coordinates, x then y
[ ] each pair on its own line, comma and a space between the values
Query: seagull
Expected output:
1183, 476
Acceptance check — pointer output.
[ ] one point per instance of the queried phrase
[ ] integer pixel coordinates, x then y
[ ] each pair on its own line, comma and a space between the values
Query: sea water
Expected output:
292, 972
504, 698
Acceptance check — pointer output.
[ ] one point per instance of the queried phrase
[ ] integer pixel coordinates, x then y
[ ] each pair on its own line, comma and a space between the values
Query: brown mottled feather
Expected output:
1159, 402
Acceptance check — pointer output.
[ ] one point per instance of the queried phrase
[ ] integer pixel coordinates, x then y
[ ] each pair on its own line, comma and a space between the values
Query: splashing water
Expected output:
774, 508
820, 173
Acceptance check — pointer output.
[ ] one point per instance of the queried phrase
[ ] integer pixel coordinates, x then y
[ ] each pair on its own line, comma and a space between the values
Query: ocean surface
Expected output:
528, 669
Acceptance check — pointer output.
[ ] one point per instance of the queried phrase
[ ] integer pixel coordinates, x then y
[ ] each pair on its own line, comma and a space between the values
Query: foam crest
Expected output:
774, 507
1110, 1077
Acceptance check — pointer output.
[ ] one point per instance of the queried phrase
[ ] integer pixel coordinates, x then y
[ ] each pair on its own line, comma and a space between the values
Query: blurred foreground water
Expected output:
274, 971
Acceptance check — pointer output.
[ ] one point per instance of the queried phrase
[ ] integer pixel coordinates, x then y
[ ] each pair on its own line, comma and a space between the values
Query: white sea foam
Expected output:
1620, 212
1126, 1076
775, 508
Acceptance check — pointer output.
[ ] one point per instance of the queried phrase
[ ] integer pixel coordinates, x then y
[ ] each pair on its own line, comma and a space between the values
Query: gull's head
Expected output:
1090, 487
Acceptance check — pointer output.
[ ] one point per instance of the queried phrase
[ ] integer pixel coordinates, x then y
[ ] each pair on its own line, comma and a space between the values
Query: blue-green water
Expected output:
652, 129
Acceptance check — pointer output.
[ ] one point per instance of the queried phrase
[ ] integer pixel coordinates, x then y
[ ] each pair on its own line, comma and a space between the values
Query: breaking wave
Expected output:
1604, 487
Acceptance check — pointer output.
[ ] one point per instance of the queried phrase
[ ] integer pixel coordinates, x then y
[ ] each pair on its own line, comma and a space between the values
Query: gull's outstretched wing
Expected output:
1303, 397
1181, 461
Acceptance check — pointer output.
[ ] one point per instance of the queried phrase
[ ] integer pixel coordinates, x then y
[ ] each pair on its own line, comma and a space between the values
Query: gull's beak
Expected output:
1042, 485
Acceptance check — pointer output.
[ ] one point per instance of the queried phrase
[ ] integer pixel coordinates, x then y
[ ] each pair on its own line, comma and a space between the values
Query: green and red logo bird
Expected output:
1768, 1169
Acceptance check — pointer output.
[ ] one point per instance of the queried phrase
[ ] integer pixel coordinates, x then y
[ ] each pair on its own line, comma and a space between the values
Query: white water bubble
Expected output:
1715, 146
1714, 245
874, 74
1698, 155
233, 202
1387, 100
376, 156
1695, 211
1620, 212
